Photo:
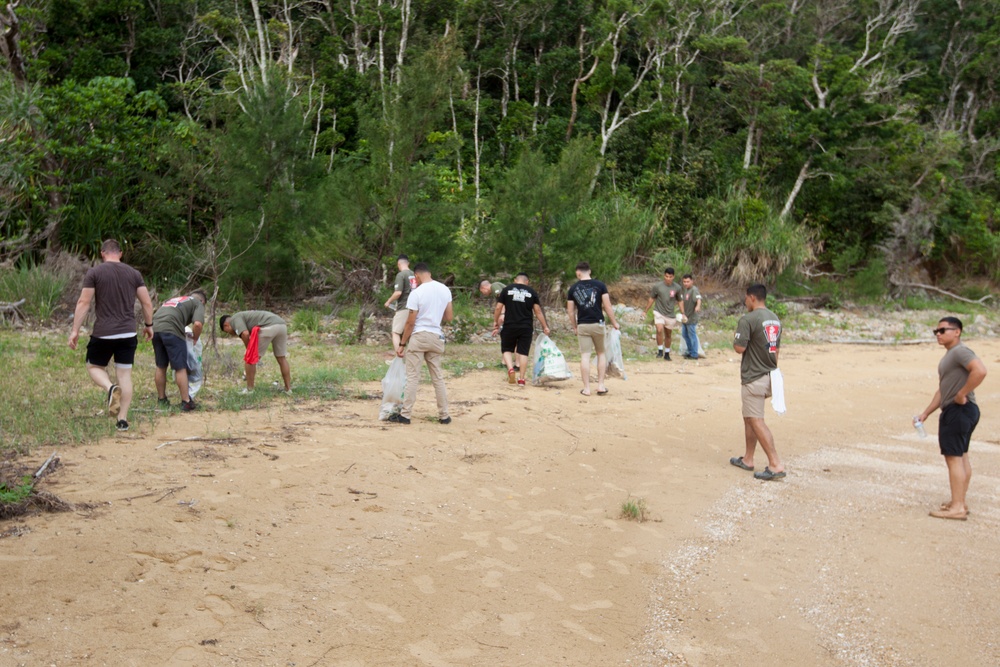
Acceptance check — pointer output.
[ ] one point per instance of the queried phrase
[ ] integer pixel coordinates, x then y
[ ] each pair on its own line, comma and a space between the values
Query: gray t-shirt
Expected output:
691, 297
665, 298
759, 331
114, 285
177, 313
404, 283
496, 288
953, 373
248, 319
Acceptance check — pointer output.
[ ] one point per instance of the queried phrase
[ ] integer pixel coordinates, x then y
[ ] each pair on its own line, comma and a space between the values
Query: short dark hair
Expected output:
111, 247
421, 267
583, 266
669, 270
201, 293
954, 321
758, 292
403, 257
222, 322
521, 274
687, 276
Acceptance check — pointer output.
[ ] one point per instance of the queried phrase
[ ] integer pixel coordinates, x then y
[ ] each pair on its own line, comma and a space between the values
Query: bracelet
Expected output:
148, 324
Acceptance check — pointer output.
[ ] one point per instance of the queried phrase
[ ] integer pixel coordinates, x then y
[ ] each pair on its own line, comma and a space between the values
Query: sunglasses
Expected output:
939, 332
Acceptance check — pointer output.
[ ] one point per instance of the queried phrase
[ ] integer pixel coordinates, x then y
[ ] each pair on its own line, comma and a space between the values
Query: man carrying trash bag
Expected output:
521, 303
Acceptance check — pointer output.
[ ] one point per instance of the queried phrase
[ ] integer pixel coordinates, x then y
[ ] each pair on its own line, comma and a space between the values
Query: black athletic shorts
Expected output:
168, 348
518, 340
955, 427
100, 351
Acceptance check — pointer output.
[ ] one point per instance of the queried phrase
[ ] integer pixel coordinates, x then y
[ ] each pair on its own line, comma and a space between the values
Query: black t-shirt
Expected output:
587, 295
519, 301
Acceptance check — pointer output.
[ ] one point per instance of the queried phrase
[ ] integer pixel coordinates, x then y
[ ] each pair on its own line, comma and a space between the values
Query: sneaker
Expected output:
666, 356
446, 420
163, 402
511, 377
520, 382
188, 406
122, 425
397, 418
659, 353
114, 400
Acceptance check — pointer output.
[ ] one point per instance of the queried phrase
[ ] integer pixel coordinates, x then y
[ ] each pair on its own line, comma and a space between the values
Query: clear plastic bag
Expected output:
548, 362
393, 386
196, 375
613, 350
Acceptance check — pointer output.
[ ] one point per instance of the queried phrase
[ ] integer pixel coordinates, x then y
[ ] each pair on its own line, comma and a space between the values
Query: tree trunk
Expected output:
799, 181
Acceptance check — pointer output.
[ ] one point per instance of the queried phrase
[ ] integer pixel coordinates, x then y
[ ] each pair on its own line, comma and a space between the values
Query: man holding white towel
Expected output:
757, 338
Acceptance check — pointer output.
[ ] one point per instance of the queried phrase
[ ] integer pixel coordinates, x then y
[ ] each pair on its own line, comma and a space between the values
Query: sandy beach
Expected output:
312, 534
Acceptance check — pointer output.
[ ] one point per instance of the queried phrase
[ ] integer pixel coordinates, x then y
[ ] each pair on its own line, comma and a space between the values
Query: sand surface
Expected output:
311, 534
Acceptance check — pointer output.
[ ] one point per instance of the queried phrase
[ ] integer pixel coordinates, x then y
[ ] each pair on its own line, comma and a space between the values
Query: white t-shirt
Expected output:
430, 301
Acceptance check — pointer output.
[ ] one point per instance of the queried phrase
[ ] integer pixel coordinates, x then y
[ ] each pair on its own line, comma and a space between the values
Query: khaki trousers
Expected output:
429, 348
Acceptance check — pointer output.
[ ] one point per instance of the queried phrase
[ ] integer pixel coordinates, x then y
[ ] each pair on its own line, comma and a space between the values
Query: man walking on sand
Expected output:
587, 302
271, 330
520, 302
170, 343
690, 299
429, 306
405, 282
113, 287
665, 295
960, 371
757, 338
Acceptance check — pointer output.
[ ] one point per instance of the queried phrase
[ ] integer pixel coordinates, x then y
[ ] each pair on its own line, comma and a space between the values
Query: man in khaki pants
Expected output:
423, 340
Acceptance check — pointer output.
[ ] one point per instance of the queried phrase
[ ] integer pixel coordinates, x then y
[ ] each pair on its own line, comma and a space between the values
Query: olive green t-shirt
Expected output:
759, 331
953, 373
496, 288
248, 319
177, 313
690, 297
404, 283
666, 297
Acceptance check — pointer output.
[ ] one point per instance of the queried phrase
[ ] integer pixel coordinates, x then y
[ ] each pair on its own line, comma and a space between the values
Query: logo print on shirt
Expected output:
176, 301
772, 331
519, 295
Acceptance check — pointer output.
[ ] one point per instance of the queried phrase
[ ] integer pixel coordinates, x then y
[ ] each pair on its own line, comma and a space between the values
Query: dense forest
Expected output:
279, 145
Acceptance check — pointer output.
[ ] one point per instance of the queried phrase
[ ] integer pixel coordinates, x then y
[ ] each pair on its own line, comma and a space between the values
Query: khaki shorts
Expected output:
276, 336
591, 338
659, 318
399, 321
754, 394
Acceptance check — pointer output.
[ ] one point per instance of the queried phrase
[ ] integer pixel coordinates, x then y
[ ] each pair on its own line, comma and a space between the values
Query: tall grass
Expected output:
41, 288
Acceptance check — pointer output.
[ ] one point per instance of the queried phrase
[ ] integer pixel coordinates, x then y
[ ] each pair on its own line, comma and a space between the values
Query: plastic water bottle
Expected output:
919, 425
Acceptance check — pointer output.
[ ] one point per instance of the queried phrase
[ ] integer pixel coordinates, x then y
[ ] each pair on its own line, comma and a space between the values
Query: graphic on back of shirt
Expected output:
519, 295
585, 296
176, 301
413, 282
772, 330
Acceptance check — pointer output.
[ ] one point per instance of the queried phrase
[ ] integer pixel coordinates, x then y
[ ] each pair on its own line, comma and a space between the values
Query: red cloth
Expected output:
252, 355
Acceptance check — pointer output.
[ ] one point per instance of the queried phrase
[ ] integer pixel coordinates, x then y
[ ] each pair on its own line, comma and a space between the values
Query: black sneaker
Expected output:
397, 418
188, 406
446, 420
122, 425
114, 400
666, 356
659, 353
163, 402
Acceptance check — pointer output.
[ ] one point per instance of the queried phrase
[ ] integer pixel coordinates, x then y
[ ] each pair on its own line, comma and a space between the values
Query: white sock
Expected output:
659, 347
667, 350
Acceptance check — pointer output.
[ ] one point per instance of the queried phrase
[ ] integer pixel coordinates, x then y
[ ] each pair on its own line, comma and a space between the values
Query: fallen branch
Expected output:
979, 301
194, 438
41, 471
169, 492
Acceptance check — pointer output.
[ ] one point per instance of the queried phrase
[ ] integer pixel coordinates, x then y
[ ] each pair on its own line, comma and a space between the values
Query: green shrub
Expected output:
306, 320
41, 288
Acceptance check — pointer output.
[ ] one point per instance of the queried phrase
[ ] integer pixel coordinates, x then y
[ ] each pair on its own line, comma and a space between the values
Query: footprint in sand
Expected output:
620, 568
425, 584
512, 625
482, 539
625, 552
597, 604
389, 613
454, 555
586, 570
507, 544
582, 631
550, 592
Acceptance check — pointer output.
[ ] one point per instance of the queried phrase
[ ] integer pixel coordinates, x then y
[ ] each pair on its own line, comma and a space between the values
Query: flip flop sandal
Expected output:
738, 462
768, 474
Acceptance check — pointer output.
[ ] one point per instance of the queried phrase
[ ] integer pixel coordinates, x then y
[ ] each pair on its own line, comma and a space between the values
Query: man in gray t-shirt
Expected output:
960, 371
664, 302
404, 283
271, 330
757, 338
113, 287
170, 342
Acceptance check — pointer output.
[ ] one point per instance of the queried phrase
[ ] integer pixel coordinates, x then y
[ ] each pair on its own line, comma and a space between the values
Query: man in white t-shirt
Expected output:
423, 340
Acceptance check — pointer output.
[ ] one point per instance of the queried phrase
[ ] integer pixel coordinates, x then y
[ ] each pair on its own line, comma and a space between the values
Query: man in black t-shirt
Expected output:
113, 287
586, 304
521, 303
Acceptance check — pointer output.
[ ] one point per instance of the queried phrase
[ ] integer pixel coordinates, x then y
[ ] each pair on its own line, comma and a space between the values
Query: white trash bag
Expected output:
613, 350
196, 375
548, 362
393, 385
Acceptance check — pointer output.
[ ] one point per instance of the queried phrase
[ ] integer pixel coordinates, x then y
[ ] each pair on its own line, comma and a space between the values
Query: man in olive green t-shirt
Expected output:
757, 338
665, 296
271, 330
170, 342
404, 283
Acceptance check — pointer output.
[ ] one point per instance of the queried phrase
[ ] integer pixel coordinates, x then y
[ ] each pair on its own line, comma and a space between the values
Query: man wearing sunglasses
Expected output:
960, 371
